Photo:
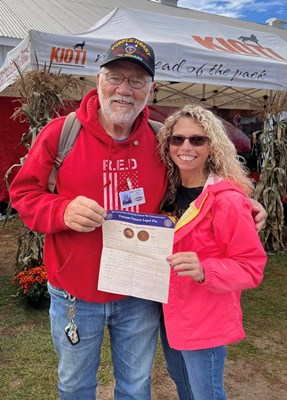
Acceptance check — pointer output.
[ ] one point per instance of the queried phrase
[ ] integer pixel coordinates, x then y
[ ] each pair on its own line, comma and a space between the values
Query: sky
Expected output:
248, 10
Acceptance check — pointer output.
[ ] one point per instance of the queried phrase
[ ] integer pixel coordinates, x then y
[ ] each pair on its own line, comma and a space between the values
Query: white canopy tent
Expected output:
196, 60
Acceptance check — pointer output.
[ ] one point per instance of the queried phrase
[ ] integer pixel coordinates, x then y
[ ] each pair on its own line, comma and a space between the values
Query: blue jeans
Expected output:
133, 328
175, 366
197, 374
205, 370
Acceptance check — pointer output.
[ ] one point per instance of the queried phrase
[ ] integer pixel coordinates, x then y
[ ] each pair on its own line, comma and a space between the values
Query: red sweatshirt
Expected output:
97, 167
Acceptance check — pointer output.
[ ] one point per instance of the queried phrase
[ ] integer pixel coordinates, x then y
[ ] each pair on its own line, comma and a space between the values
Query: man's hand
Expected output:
259, 214
84, 215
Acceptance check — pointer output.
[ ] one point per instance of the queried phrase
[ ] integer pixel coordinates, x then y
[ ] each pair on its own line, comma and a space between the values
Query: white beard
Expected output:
120, 116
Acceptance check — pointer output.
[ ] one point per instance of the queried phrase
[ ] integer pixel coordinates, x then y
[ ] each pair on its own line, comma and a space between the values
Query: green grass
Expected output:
265, 321
29, 361
28, 358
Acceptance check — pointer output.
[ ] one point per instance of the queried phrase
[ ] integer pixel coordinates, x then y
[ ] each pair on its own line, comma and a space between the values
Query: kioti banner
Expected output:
186, 50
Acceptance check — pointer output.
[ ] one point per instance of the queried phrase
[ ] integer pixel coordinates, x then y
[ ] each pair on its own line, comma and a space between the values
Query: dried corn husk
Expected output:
42, 94
272, 183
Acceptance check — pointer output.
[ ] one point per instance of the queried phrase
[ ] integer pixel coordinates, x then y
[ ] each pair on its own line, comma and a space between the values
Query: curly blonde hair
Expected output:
223, 159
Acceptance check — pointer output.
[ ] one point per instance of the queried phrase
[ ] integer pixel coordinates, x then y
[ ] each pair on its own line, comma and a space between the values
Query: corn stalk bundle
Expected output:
41, 94
271, 187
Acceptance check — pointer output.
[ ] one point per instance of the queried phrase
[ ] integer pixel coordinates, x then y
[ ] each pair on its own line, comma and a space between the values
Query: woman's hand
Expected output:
187, 264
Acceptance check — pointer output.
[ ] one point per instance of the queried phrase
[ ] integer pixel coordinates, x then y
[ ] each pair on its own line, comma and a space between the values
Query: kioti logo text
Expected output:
247, 45
75, 56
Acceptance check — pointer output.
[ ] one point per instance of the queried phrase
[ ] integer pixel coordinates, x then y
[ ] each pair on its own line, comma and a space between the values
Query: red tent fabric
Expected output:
11, 148
11, 131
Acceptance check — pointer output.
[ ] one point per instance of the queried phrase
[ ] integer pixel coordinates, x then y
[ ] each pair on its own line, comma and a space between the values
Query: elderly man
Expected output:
115, 152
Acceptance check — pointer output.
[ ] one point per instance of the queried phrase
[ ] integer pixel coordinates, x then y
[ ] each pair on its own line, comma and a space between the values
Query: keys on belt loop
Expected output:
71, 329
72, 333
71, 310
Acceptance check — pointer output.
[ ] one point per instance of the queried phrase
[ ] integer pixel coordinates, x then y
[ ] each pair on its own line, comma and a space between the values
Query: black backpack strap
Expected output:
69, 133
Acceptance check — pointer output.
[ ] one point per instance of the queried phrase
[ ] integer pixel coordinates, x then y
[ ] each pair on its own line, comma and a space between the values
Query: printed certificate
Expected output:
135, 248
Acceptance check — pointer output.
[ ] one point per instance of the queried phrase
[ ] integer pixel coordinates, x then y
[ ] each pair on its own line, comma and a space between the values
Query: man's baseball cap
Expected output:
134, 50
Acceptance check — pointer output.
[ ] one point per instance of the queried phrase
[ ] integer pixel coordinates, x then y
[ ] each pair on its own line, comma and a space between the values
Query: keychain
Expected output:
72, 334
71, 329
71, 310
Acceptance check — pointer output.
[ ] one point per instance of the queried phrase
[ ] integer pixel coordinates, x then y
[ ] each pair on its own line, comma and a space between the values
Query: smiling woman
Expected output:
210, 264
189, 150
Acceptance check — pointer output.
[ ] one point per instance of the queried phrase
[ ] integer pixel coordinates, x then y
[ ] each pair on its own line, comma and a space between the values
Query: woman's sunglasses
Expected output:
178, 140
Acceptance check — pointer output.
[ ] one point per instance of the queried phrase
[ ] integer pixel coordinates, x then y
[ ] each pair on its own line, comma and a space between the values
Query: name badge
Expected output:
132, 197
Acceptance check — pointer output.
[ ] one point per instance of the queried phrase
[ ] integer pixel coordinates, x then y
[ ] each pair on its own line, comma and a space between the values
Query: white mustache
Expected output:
123, 99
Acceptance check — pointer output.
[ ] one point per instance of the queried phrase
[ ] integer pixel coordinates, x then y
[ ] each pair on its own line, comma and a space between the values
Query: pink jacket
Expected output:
220, 229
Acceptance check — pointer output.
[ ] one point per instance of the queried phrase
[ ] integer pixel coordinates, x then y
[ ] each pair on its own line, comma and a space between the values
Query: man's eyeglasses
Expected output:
135, 82
178, 140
